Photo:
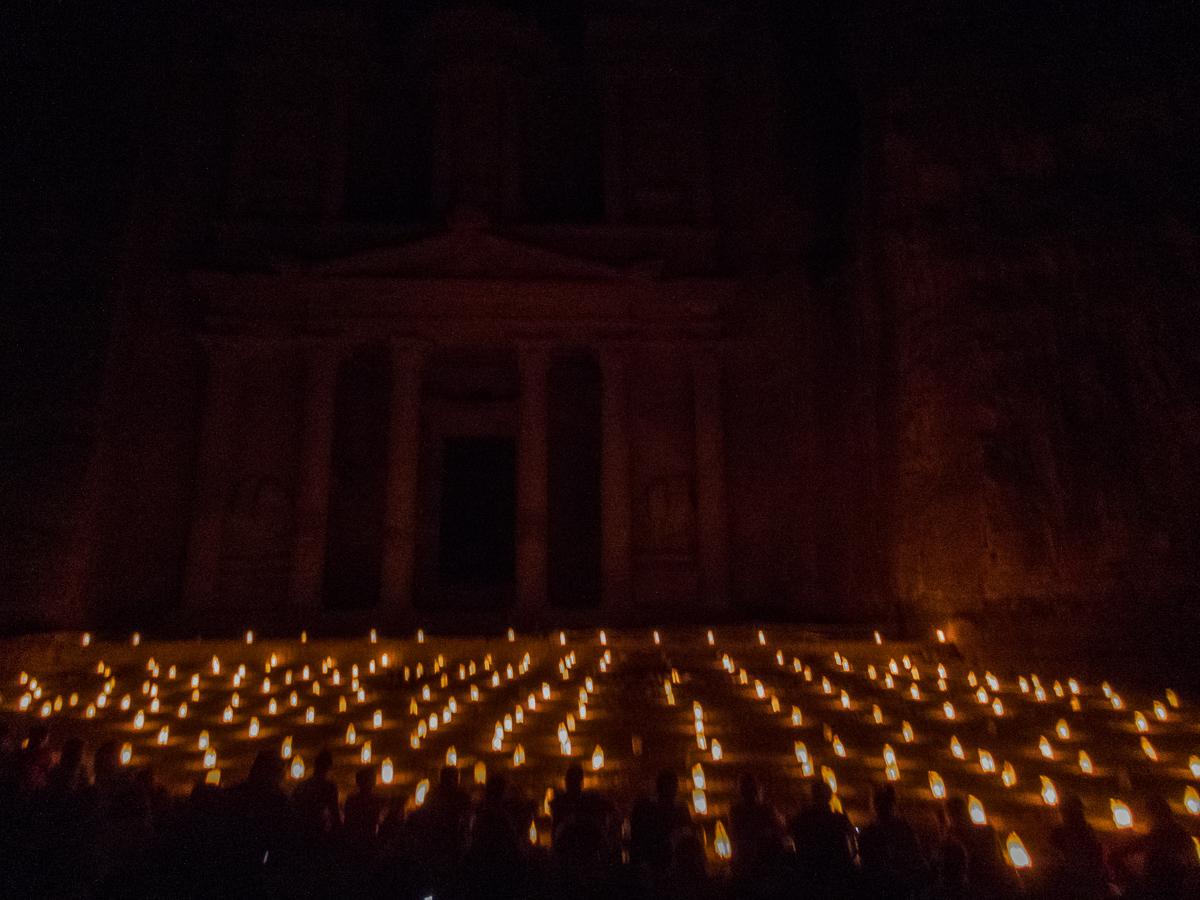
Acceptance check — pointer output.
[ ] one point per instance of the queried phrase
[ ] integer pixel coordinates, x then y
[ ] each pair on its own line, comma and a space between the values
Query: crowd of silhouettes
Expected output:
116, 833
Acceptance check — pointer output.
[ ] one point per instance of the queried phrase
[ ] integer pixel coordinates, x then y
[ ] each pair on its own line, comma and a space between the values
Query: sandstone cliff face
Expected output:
1038, 257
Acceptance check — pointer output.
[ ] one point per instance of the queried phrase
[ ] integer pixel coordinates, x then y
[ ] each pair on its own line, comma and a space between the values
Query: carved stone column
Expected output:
711, 512
531, 607
312, 495
616, 509
400, 517
219, 427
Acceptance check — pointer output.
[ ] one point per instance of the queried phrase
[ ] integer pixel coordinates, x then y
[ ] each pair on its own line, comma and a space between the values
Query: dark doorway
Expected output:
573, 461
477, 543
354, 539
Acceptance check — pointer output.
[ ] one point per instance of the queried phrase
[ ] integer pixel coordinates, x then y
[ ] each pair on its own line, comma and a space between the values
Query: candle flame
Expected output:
1049, 794
721, 841
1122, 817
978, 816
1016, 852
937, 787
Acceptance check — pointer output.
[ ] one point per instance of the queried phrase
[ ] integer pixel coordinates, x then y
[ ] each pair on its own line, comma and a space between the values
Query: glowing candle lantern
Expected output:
941, 636
202, 741
422, 729
377, 719
342, 704
1049, 794
1008, 775
698, 777
721, 841
907, 732
997, 707
531, 701
1023, 685
210, 758
826, 686
213, 777
125, 701
272, 707
797, 719
948, 709
986, 762
838, 748
597, 758
889, 755
137, 639
761, 691
871, 672
1191, 800
163, 734
981, 696
1160, 711
993, 683
1085, 763
829, 778
227, 716
310, 715
1016, 852
657, 640
892, 667
73, 700
126, 753
414, 741
421, 635
253, 729
845, 700
565, 747
956, 748
1194, 765
1064, 732
978, 816
801, 752
1122, 817
716, 750
877, 714
1117, 702
235, 701
474, 693
216, 669
1039, 694
887, 681
285, 749
1172, 699
1045, 748
294, 699
1149, 750
519, 756
91, 711
699, 802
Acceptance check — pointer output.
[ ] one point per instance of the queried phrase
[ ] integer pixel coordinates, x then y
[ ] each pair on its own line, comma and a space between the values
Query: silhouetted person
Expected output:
63, 826
756, 835
987, 873
495, 863
893, 864
1076, 870
316, 800
688, 877
438, 830
1168, 855
952, 880
261, 826
363, 809
583, 823
566, 801
825, 846
656, 824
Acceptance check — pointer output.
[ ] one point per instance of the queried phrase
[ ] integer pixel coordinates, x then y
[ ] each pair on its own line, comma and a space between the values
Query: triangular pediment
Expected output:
468, 252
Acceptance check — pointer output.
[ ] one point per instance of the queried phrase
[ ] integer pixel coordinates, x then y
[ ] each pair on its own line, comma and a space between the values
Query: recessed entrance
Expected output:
477, 540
